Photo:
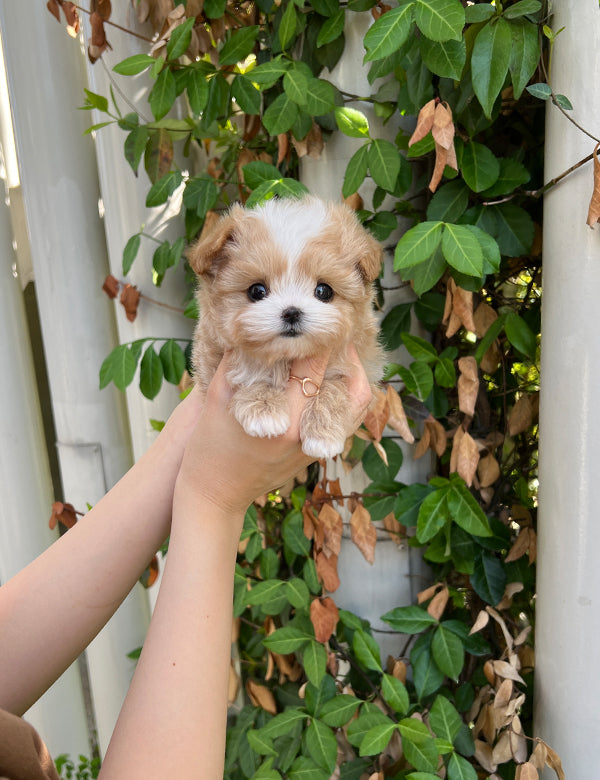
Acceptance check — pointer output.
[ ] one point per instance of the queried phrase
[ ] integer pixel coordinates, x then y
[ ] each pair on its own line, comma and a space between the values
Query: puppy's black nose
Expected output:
291, 315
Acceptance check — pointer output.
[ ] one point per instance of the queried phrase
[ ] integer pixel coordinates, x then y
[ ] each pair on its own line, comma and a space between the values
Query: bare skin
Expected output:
195, 482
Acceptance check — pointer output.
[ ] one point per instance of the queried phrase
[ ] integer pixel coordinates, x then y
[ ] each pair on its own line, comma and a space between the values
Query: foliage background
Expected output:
455, 700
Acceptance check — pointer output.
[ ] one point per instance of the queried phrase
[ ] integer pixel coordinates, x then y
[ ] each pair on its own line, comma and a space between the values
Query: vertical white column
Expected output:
568, 603
398, 572
60, 185
124, 197
26, 490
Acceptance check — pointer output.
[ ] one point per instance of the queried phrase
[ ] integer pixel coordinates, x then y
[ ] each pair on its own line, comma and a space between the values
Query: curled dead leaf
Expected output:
63, 513
377, 415
437, 605
468, 385
397, 416
324, 616
488, 471
111, 286
594, 209
332, 526
424, 123
311, 145
234, 684
364, 533
261, 696
483, 317
327, 571
98, 42
466, 457
437, 436
130, 297
521, 416
481, 621
397, 530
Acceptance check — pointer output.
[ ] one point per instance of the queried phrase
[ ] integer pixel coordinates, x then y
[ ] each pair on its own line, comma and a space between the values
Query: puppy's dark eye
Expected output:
323, 292
257, 292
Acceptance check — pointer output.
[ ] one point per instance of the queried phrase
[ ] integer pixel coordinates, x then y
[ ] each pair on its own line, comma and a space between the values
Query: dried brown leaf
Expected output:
423, 444
443, 126
98, 42
54, 8
483, 753
397, 416
308, 521
594, 209
311, 145
428, 593
437, 436
396, 529
462, 306
399, 671
324, 616
327, 571
332, 525
468, 385
424, 123
261, 696
481, 621
554, 762
518, 743
378, 415
111, 286
234, 684
508, 672
502, 751
354, 202
441, 159
520, 546
437, 605
63, 513
283, 147
521, 416
538, 756
130, 297
488, 471
467, 458
483, 317
364, 533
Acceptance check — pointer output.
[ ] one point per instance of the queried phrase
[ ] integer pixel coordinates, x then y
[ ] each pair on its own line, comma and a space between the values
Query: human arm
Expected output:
64, 597
173, 721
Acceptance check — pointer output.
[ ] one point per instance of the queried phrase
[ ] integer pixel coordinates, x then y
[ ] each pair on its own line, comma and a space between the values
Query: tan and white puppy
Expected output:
285, 280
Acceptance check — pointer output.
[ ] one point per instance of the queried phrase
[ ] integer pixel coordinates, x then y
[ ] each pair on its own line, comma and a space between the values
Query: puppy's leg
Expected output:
261, 410
325, 423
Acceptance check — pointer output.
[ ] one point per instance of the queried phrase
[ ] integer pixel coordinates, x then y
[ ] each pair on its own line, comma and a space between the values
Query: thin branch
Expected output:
118, 26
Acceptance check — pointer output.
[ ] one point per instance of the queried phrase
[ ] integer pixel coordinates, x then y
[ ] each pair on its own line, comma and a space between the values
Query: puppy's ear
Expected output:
369, 263
208, 251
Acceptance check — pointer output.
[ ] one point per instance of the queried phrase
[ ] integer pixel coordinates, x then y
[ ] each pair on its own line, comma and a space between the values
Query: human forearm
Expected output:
173, 720
62, 599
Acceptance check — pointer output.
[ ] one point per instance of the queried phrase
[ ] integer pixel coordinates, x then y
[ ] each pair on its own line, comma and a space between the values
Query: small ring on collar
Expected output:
309, 387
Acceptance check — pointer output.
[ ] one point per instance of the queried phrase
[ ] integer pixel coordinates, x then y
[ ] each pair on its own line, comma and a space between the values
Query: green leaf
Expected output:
561, 100
480, 168
465, 510
418, 379
520, 335
161, 190
448, 652
283, 723
525, 54
135, 144
449, 203
180, 39
320, 97
197, 91
200, 194
267, 74
356, 171
304, 768
286, 640
246, 95
514, 229
163, 94
257, 172
460, 769
462, 250
325, 7
488, 578
270, 595
445, 373
130, 252
512, 175
322, 744
151, 373
376, 739
292, 531
287, 25
479, 13
239, 45
521, 8
433, 514
339, 710
369, 717
541, 91
260, 744
395, 324
352, 122
440, 20
173, 361
295, 86
297, 593
124, 365
332, 28
384, 162
388, 33
419, 348
489, 62
395, 694
134, 65
408, 503
280, 115
374, 466
366, 650
315, 662
425, 275
418, 244
444, 58
427, 676
409, 620
214, 9
423, 756
414, 730
444, 719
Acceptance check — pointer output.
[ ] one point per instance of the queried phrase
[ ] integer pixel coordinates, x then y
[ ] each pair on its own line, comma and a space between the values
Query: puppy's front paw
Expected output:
261, 411
320, 447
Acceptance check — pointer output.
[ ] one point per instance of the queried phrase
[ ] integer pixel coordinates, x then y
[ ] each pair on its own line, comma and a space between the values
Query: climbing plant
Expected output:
253, 80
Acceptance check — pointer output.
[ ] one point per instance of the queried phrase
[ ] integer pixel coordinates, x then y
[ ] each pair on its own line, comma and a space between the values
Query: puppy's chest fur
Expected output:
285, 281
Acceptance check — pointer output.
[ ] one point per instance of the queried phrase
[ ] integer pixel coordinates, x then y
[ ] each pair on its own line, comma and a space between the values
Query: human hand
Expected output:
226, 466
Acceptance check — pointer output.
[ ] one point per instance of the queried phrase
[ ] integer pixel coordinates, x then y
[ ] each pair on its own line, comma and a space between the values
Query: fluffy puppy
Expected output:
285, 280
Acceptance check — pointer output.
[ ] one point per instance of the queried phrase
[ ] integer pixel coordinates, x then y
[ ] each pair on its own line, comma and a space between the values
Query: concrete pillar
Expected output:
568, 603
57, 164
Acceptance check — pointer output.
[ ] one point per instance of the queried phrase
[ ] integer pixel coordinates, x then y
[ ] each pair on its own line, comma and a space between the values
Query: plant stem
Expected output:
118, 26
